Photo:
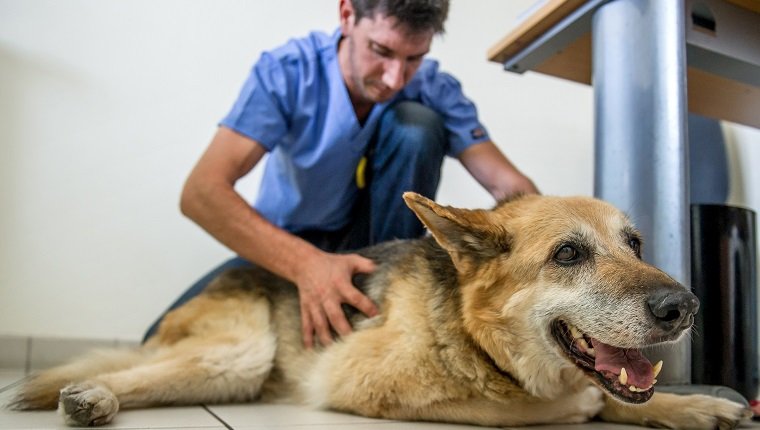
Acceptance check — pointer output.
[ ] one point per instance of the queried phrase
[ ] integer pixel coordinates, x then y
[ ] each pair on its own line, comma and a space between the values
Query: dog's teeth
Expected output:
636, 389
657, 368
582, 343
623, 378
576, 334
591, 352
654, 381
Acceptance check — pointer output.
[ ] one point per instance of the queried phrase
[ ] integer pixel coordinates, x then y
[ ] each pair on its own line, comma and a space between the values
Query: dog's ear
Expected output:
462, 232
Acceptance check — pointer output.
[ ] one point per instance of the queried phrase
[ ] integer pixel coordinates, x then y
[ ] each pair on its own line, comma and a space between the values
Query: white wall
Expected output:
105, 106
743, 149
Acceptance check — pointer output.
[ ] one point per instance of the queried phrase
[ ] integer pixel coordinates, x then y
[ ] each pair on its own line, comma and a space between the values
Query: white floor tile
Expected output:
593, 426
382, 425
8, 380
404, 425
160, 418
8, 377
258, 416
174, 417
42, 420
272, 415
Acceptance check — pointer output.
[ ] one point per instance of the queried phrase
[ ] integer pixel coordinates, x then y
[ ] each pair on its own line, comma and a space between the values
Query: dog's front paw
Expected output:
87, 404
586, 404
704, 412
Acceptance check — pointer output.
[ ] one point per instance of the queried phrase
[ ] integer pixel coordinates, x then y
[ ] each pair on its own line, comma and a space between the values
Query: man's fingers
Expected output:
355, 298
320, 325
322, 296
364, 265
352, 295
337, 318
307, 329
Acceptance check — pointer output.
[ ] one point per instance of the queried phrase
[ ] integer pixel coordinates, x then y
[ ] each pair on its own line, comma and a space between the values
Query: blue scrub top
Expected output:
296, 104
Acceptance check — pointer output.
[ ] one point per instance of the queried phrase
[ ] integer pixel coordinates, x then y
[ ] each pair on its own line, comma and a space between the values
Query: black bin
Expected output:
724, 277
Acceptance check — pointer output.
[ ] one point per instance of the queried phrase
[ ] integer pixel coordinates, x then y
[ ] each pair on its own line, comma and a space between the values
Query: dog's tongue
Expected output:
639, 369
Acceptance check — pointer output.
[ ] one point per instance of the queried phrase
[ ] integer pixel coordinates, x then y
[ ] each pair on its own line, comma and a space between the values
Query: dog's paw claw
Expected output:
87, 404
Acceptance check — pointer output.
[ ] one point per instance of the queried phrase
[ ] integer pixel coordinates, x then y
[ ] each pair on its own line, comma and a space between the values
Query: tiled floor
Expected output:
238, 417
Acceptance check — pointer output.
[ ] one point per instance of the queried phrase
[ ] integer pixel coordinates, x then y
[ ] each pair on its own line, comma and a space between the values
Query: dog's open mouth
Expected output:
624, 373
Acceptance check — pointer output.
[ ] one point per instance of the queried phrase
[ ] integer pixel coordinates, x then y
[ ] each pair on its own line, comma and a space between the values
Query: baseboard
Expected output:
35, 353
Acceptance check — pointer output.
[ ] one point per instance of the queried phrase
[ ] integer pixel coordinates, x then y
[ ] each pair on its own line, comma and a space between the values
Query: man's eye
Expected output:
380, 51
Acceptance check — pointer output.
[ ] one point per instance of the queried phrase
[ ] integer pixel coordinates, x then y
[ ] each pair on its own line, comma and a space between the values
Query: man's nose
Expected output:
393, 77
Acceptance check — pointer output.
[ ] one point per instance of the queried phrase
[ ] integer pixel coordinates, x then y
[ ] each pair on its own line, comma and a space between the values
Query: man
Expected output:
349, 121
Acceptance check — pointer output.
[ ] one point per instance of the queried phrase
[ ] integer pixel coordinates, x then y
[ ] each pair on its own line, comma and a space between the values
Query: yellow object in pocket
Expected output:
361, 168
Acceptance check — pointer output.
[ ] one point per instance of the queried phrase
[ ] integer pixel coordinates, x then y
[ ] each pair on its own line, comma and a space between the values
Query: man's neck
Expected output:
362, 108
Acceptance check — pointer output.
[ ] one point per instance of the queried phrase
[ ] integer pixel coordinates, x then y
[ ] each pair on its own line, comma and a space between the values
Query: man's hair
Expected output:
416, 15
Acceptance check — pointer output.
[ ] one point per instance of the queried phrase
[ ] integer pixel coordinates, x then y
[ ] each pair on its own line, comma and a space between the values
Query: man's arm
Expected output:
491, 168
323, 279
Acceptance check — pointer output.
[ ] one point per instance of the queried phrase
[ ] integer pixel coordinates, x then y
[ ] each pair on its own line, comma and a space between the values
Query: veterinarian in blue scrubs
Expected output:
349, 121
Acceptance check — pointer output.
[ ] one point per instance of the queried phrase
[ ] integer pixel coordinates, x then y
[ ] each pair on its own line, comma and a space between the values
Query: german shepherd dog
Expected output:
532, 312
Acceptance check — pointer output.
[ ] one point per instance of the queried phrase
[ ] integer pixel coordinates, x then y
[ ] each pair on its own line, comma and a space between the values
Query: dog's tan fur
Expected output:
463, 334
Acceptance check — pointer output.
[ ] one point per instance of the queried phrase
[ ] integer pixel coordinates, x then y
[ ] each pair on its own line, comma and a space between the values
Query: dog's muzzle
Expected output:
625, 372
673, 310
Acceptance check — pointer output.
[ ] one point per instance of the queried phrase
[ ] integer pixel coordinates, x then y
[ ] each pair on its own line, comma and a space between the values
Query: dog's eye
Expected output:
567, 255
635, 244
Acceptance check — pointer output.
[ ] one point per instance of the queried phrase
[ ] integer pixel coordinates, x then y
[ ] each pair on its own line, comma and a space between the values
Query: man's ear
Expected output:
462, 232
347, 16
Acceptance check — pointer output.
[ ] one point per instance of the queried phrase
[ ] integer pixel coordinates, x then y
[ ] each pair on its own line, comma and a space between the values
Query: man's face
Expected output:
379, 57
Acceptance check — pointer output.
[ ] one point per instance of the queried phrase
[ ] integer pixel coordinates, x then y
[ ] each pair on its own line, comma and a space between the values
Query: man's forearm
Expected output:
491, 168
226, 216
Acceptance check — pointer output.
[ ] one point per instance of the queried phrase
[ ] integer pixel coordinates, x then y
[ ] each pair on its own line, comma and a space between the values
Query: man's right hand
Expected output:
324, 283
324, 280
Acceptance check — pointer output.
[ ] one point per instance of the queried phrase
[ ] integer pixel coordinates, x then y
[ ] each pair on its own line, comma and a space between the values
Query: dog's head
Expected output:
553, 285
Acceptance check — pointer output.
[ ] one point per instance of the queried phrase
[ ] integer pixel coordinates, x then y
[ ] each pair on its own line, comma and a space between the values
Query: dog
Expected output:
532, 312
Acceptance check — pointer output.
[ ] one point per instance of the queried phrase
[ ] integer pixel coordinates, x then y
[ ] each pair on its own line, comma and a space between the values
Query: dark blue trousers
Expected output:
406, 155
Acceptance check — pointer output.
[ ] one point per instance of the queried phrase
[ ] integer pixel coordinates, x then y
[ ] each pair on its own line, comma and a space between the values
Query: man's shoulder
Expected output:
309, 48
429, 77
429, 69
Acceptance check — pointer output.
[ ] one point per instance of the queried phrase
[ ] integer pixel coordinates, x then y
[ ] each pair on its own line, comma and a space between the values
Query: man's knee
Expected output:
410, 129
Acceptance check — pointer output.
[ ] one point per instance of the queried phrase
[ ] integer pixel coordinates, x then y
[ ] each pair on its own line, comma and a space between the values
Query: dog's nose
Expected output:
673, 310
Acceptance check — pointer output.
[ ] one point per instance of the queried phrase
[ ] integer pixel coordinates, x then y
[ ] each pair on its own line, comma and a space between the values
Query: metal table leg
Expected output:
639, 64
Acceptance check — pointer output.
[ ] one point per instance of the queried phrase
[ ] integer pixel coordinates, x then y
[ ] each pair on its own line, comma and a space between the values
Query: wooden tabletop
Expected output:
708, 94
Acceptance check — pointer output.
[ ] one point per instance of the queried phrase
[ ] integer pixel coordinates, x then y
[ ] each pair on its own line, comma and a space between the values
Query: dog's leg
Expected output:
228, 369
370, 374
42, 390
574, 409
672, 411
215, 348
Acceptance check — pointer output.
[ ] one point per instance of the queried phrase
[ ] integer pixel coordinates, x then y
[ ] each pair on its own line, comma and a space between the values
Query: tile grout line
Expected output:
224, 423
